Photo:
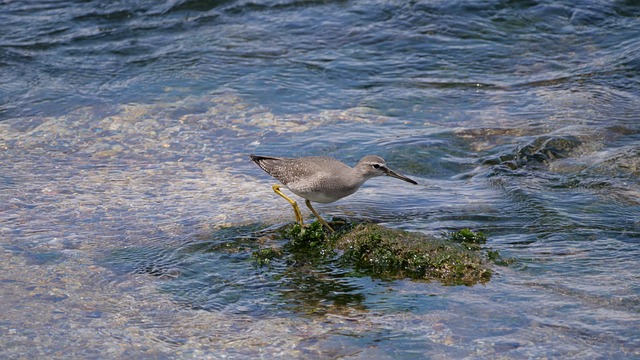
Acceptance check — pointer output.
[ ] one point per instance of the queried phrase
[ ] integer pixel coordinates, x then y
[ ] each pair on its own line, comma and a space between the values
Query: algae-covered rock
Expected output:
387, 253
376, 251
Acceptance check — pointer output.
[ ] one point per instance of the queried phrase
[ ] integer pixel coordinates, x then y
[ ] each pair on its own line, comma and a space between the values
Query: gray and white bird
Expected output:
322, 179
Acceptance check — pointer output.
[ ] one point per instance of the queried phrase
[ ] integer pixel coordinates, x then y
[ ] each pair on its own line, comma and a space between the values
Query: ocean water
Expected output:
128, 205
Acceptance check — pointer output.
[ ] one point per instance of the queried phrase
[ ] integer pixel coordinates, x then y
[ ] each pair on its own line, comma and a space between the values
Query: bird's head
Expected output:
372, 166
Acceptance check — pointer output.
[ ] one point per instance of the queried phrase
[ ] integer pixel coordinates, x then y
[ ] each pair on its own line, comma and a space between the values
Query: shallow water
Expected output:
129, 209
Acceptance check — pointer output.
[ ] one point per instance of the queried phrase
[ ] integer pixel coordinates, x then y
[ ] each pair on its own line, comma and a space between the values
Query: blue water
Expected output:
128, 208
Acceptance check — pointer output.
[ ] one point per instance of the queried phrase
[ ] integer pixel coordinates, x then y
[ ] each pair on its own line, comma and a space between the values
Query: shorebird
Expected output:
322, 179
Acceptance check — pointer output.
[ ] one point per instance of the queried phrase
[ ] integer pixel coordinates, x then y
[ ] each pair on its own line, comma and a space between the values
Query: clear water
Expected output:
128, 208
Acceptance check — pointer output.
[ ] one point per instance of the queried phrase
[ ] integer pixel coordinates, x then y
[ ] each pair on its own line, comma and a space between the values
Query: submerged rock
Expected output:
539, 151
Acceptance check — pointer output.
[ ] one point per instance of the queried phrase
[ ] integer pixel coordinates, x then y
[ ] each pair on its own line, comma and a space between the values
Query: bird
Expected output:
322, 179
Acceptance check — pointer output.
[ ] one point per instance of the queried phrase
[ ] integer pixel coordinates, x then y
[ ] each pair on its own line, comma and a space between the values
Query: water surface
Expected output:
129, 209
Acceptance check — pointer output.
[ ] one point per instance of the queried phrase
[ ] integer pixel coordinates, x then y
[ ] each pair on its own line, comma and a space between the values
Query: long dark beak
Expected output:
394, 174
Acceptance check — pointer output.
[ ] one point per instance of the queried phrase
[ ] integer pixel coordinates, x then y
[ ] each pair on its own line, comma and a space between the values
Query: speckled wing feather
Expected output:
288, 170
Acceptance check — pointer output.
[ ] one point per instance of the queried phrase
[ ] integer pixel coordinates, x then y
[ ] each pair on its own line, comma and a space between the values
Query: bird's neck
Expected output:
360, 177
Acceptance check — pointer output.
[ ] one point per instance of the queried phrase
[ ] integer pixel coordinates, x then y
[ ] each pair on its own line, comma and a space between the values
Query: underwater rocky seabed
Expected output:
103, 211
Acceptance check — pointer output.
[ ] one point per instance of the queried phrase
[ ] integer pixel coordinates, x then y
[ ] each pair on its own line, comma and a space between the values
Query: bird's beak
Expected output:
394, 174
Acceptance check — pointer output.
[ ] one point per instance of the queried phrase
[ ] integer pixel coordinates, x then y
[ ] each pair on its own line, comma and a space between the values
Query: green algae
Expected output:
396, 254
264, 256
384, 253
469, 239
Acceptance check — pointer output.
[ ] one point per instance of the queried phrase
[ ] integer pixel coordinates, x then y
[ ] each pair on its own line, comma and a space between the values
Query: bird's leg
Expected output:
296, 209
318, 216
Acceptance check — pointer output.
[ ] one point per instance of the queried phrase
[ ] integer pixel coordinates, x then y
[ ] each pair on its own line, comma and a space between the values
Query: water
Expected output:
128, 208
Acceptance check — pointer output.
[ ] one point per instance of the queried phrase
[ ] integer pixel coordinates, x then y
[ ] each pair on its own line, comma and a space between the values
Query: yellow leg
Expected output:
318, 216
296, 209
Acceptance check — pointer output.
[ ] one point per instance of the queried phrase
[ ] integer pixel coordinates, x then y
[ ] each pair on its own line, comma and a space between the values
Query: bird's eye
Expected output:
376, 166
